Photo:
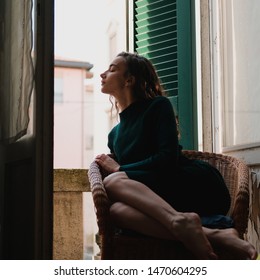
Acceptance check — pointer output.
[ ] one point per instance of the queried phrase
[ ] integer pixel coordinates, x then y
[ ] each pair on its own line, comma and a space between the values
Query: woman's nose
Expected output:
102, 75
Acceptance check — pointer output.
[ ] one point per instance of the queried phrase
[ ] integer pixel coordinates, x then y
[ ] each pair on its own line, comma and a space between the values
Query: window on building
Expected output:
58, 90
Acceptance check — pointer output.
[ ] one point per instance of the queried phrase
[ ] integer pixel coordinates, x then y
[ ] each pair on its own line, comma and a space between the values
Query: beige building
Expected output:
73, 114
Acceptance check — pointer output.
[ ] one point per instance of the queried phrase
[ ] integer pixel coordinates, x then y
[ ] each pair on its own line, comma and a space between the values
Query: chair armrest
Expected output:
241, 201
100, 198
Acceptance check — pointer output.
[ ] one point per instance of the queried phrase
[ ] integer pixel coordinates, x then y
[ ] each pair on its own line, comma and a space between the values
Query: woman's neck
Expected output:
125, 101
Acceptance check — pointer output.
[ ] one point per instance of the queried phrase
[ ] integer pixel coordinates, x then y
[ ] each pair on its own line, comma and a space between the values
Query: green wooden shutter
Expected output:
162, 33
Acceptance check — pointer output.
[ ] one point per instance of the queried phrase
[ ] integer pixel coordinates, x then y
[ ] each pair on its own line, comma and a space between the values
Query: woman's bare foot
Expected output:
186, 227
228, 240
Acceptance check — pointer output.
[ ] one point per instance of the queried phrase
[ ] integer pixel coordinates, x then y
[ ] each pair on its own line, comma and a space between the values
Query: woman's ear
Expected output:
130, 80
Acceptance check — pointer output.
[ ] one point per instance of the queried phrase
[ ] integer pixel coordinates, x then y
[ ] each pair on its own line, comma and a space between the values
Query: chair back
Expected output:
236, 175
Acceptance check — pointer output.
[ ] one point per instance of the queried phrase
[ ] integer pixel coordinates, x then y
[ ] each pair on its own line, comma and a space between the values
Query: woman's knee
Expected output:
117, 211
113, 180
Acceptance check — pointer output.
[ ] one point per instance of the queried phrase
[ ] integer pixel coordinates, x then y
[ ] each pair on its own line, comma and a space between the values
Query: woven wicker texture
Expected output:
115, 246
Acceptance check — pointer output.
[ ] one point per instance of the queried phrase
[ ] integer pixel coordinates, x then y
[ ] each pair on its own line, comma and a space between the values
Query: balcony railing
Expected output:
68, 240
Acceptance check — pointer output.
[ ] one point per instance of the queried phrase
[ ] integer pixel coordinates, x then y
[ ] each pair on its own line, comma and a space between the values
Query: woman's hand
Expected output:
107, 163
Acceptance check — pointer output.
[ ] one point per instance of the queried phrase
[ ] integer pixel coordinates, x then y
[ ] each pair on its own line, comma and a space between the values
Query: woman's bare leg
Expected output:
127, 217
229, 240
185, 227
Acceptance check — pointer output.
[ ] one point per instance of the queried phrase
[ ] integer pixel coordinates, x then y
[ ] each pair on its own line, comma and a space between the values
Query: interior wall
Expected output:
1, 198
19, 204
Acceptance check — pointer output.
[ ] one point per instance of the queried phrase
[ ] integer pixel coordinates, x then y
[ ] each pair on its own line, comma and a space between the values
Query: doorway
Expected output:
86, 40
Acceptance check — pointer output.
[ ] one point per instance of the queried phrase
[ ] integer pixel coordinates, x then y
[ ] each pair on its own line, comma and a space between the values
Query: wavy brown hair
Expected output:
147, 82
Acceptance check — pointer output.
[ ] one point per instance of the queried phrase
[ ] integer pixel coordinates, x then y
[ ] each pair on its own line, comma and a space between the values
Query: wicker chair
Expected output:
117, 246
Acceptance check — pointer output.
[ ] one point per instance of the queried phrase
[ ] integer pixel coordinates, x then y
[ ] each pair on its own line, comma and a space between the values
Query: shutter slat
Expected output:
161, 42
147, 6
156, 15
151, 31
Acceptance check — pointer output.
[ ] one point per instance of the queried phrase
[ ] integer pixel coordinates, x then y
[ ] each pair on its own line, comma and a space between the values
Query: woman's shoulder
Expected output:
161, 104
113, 131
160, 101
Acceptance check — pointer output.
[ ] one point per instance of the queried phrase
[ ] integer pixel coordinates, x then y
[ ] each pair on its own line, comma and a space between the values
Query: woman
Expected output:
144, 184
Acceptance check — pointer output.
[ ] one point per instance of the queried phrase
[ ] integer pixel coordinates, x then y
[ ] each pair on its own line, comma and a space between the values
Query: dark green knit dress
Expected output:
145, 144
